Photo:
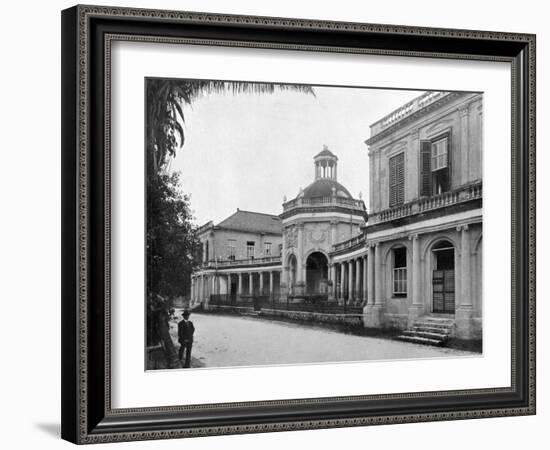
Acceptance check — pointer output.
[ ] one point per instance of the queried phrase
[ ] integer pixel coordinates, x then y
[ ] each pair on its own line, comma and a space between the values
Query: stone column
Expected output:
228, 290
373, 314
350, 282
332, 291
417, 307
358, 280
261, 274
270, 284
283, 280
342, 281
300, 269
464, 312
464, 148
208, 290
365, 280
240, 286
370, 276
465, 294
250, 283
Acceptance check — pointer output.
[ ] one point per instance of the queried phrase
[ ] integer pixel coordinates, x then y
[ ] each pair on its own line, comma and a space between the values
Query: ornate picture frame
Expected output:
88, 33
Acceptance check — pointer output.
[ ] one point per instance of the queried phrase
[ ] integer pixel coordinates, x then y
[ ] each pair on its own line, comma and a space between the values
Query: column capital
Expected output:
464, 110
462, 227
413, 237
415, 133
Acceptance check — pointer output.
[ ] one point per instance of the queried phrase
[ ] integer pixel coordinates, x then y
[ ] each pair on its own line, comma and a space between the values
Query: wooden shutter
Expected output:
397, 179
400, 172
392, 182
425, 168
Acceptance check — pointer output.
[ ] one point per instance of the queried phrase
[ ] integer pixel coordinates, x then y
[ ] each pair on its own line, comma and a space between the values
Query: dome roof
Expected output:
323, 188
325, 152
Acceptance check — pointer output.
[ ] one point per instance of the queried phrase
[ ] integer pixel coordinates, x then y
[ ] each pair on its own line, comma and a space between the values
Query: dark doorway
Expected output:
317, 273
443, 278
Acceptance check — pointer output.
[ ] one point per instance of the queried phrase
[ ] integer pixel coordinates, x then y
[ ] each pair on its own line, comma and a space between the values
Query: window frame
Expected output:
231, 249
250, 245
431, 172
402, 271
434, 145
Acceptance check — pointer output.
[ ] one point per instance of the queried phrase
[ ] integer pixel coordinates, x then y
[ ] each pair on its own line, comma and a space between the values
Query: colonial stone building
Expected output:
424, 236
415, 260
322, 215
241, 258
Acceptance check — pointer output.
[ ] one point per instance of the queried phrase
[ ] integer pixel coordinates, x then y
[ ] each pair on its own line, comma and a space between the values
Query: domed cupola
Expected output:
325, 183
325, 193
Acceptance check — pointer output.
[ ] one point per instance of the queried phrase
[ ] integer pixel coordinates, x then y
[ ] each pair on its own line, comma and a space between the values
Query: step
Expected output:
419, 340
434, 326
427, 334
439, 318
446, 322
430, 329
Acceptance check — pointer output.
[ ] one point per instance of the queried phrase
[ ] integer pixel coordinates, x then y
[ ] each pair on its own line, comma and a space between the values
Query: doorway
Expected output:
443, 278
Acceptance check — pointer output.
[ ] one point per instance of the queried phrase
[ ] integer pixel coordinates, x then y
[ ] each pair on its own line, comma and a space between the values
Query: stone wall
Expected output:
303, 316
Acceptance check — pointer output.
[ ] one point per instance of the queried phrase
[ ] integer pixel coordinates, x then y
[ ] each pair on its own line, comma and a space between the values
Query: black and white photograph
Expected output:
302, 224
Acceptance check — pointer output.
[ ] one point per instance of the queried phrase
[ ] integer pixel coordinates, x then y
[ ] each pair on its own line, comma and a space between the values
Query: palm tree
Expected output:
166, 99
165, 118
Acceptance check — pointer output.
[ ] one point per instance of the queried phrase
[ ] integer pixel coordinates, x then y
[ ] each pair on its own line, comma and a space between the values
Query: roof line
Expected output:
250, 212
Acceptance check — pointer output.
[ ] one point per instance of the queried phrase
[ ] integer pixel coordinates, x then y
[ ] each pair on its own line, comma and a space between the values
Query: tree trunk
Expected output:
167, 343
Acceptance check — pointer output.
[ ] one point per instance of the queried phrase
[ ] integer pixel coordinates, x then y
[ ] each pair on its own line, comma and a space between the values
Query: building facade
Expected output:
241, 258
322, 215
417, 253
424, 235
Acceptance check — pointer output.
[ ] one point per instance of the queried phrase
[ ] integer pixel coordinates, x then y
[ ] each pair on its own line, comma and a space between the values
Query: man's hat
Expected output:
186, 313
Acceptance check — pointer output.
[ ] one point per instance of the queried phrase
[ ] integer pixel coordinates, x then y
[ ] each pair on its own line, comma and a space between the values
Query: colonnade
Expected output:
356, 280
259, 282
350, 280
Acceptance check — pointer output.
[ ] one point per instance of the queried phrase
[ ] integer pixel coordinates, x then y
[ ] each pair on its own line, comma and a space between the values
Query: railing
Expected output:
406, 110
461, 195
354, 241
243, 262
324, 201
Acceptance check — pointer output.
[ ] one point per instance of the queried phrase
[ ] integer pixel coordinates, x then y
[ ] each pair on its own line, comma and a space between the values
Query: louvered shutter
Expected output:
392, 182
425, 168
397, 180
400, 174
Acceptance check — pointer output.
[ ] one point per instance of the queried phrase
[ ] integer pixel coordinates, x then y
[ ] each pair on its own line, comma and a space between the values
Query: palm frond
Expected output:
166, 99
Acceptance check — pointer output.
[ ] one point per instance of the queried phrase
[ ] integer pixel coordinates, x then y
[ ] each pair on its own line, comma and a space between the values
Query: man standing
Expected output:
185, 337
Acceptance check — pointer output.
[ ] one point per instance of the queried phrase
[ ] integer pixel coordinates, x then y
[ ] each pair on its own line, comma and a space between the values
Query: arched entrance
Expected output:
443, 278
292, 269
317, 273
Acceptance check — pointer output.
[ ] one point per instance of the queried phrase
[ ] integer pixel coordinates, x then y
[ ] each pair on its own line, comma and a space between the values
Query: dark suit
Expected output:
185, 338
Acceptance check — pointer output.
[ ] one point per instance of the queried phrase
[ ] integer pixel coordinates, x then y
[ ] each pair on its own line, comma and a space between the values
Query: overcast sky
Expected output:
249, 151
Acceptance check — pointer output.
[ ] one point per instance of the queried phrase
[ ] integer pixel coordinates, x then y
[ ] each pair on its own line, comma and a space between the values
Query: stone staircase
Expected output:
429, 330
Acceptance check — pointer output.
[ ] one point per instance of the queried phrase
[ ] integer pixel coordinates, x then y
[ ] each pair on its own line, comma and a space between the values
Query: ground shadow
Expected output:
53, 429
